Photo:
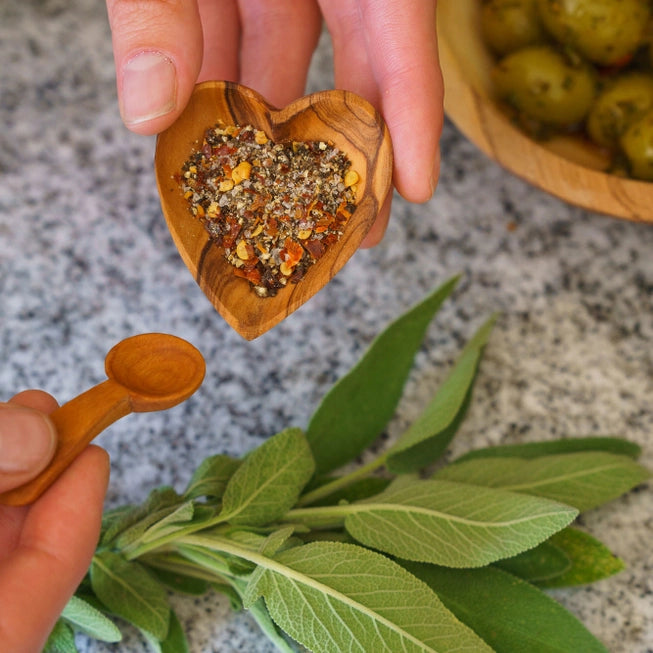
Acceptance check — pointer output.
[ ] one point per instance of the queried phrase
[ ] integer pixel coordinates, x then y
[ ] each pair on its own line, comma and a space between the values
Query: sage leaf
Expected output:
262, 617
211, 477
178, 575
231, 593
590, 560
361, 489
545, 448
172, 522
176, 641
250, 541
269, 481
584, 480
154, 645
543, 562
211, 561
130, 592
265, 545
360, 404
277, 541
133, 535
128, 526
454, 524
429, 435
335, 597
82, 616
569, 557
61, 639
115, 520
508, 613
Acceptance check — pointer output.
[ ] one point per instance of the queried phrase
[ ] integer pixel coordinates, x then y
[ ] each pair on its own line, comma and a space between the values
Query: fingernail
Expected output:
149, 87
27, 440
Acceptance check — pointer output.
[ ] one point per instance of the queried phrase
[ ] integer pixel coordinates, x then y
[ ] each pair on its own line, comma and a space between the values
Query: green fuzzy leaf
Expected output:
213, 562
508, 613
211, 477
228, 590
114, 520
277, 541
130, 592
82, 616
454, 524
547, 448
154, 645
176, 641
590, 560
429, 435
360, 404
252, 542
540, 563
361, 489
334, 597
128, 526
262, 617
569, 557
269, 481
174, 578
178, 518
584, 480
61, 639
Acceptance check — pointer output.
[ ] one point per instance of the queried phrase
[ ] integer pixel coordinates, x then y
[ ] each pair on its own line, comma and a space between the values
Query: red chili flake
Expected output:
294, 252
314, 247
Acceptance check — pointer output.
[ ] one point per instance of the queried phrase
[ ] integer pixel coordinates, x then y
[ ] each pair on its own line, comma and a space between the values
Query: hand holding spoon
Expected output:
147, 372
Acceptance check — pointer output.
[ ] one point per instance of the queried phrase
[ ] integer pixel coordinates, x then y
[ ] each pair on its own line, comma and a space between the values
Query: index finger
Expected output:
396, 65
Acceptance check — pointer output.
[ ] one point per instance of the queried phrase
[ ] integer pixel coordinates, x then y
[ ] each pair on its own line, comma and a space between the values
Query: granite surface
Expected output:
86, 260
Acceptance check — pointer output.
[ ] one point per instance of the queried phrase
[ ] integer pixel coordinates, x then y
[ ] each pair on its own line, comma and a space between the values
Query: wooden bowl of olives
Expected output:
560, 93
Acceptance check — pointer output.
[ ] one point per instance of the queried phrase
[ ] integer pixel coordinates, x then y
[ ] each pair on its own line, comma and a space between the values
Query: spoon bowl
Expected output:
148, 372
343, 118
157, 370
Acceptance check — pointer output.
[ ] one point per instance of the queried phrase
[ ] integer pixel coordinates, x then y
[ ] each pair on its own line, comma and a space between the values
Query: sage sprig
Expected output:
388, 556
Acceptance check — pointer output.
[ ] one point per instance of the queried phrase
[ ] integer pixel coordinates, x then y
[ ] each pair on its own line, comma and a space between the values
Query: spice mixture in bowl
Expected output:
273, 207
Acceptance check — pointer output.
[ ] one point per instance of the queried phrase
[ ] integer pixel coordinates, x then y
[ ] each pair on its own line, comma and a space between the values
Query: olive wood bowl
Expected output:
566, 167
343, 118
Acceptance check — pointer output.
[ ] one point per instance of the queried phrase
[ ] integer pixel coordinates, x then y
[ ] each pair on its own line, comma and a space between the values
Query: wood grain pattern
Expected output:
148, 372
347, 120
566, 167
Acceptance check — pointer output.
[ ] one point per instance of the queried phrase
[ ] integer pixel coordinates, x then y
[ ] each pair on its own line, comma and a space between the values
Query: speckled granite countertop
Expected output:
86, 260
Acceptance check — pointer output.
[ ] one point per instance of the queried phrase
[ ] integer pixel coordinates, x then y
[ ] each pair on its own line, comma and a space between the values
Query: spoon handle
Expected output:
77, 423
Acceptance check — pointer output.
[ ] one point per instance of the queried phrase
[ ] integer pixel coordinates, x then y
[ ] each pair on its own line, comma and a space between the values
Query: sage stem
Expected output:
341, 482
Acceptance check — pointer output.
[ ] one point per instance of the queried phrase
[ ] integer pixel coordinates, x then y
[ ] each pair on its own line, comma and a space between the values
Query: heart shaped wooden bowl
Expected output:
565, 167
343, 118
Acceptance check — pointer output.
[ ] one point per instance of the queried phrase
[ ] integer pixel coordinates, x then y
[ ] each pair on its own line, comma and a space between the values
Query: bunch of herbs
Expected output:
398, 554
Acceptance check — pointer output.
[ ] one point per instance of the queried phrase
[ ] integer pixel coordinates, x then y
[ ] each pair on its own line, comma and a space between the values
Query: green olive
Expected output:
508, 25
604, 31
623, 101
637, 145
545, 85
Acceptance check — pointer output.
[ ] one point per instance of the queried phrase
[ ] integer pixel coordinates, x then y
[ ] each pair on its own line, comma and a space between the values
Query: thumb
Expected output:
27, 443
158, 54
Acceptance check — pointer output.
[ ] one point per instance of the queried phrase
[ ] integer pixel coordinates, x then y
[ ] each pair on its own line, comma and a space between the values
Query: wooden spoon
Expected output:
148, 372
343, 118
